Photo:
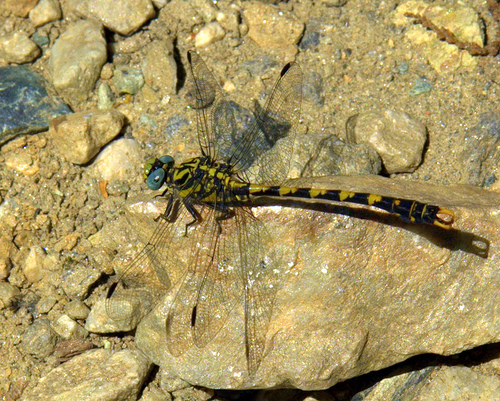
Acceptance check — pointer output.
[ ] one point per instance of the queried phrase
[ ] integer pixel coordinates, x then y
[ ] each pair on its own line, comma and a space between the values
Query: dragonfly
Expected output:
208, 216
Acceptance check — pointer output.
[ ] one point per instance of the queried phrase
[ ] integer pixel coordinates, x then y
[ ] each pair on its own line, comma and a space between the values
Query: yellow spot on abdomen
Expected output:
346, 194
315, 192
372, 199
287, 190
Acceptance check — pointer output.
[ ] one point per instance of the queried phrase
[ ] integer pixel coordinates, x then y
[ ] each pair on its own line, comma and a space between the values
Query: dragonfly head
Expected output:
156, 171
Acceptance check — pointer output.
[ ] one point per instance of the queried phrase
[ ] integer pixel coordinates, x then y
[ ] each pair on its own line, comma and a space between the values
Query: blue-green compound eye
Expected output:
155, 179
166, 160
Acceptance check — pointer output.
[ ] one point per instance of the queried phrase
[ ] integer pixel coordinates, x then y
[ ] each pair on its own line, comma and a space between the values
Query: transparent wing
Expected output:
275, 126
151, 273
262, 272
211, 288
214, 116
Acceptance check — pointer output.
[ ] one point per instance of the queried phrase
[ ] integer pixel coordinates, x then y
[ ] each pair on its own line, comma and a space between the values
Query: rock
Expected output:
271, 27
23, 162
94, 375
8, 294
99, 320
20, 8
210, 33
123, 16
39, 339
45, 304
105, 97
459, 23
349, 306
334, 157
448, 382
68, 329
398, 139
5, 261
77, 57
80, 136
119, 160
77, 310
26, 106
45, 11
459, 19
152, 393
128, 80
33, 266
159, 67
18, 48
77, 281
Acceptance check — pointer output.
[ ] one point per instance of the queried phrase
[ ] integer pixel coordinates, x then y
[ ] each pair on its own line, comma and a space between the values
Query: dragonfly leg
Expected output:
196, 216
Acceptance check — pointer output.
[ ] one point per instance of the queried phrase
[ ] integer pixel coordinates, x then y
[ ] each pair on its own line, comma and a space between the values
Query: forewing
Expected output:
278, 122
214, 117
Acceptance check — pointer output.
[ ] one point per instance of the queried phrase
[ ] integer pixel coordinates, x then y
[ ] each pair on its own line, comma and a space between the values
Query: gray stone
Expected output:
39, 339
348, 305
128, 80
45, 11
76, 59
77, 310
77, 281
18, 48
334, 157
26, 106
94, 375
122, 16
398, 138
45, 304
80, 136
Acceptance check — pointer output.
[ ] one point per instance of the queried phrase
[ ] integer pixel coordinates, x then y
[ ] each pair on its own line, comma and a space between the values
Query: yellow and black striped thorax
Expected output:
200, 178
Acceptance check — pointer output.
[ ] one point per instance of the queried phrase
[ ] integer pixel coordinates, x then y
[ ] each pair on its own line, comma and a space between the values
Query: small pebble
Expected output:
8, 294
33, 266
210, 33
45, 304
128, 80
18, 48
105, 97
119, 160
270, 27
80, 136
45, 11
77, 281
67, 329
398, 138
77, 310
39, 339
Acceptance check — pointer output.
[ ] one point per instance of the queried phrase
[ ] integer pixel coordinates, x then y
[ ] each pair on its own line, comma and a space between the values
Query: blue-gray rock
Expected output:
26, 106
39, 340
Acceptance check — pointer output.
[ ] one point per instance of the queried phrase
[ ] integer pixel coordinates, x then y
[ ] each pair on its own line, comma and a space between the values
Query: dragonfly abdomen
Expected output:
409, 210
